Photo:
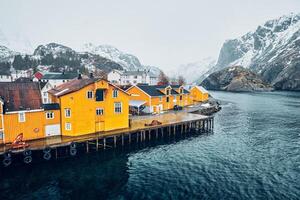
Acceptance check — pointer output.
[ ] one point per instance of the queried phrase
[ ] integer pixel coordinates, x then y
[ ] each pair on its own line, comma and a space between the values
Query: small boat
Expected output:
154, 123
19, 143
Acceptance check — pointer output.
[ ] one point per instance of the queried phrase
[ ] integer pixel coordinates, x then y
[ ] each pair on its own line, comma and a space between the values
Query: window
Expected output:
118, 107
1, 135
22, 117
99, 95
180, 97
135, 77
160, 99
115, 93
45, 94
45, 100
68, 126
168, 91
49, 115
181, 90
67, 112
99, 111
167, 99
89, 94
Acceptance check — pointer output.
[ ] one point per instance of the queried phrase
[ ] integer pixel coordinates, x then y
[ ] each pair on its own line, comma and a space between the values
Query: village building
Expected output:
199, 94
57, 78
158, 98
22, 112
5, 77
45, 87
90, 105
132, 77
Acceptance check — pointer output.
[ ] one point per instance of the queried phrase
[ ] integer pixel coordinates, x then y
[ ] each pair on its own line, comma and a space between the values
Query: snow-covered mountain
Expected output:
192, 71
127, 61
272, 51
6, 54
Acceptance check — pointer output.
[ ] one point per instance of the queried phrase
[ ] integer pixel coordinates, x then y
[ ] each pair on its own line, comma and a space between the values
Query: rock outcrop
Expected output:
236, 79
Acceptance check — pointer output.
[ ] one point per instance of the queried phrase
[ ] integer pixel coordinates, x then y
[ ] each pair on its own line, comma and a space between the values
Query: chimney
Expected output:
91, 75
79, 76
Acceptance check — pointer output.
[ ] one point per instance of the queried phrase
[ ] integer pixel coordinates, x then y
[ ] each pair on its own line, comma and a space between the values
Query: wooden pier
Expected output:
61, 146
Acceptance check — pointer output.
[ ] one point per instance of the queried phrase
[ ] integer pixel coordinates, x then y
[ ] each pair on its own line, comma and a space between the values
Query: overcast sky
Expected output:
164, 33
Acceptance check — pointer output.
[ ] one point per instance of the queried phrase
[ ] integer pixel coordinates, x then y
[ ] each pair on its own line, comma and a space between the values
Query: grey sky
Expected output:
163, 33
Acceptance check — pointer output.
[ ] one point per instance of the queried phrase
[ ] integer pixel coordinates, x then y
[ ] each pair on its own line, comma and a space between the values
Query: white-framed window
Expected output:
68, 126
115, 93
67, 112
1, 135
118, 107
49, 115
99, 111
89, 94
22, 117
45, 94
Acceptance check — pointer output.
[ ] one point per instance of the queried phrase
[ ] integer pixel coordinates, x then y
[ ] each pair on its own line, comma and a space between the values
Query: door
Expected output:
52, 130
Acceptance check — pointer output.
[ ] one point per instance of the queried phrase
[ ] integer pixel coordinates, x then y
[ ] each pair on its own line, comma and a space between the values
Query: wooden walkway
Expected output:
171, 124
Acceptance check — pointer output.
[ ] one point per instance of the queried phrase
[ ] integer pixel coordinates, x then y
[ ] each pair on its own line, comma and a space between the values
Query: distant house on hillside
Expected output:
5, 77
38, 76
132, 77
57, 78
45, 87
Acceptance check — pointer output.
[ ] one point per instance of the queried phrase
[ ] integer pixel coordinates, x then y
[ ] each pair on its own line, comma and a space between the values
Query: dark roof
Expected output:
185, 91
151, 90
71, 86
59, 76
21, 96
51, 106
23, 79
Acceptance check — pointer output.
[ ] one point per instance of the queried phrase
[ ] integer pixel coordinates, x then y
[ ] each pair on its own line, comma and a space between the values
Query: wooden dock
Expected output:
172, 124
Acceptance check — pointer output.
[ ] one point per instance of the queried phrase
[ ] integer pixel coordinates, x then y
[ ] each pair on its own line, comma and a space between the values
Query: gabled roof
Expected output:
21, 96
75, 85
59, 76
151, 90
71, 86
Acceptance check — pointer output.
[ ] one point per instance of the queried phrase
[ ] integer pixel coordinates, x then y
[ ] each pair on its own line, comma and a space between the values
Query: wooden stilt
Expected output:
122, 139
115, 141
87, 146
129, 138
104, 143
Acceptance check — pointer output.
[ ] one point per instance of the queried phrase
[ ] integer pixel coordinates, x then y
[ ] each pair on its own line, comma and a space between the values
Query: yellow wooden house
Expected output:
157, 98
22, 111
199, 94
90, 105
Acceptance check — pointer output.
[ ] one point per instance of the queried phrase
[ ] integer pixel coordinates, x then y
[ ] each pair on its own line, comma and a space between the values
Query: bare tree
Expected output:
181, 80
163, 79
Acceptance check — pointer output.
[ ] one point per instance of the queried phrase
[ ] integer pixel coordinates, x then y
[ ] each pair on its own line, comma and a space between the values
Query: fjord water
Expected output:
254, 153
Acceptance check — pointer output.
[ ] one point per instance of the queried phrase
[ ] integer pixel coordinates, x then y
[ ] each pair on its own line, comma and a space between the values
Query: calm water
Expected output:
254, 153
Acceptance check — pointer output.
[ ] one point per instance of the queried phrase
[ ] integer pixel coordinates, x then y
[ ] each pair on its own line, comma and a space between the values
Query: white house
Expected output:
57, 78
132, 77
5, 77
45, 87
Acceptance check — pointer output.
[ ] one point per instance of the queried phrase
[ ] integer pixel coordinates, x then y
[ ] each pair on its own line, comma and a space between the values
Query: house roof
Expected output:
38, 75
134, 73
71, 86
75, 85
151, 90
21, 96
59, 76
154, 90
